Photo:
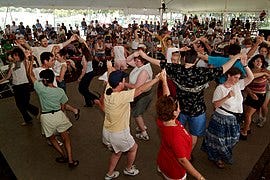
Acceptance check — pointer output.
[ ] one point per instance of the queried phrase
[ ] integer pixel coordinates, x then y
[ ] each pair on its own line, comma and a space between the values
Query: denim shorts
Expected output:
196, 124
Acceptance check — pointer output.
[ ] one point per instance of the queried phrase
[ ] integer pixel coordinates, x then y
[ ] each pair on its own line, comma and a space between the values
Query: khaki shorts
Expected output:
120, 141
56, 122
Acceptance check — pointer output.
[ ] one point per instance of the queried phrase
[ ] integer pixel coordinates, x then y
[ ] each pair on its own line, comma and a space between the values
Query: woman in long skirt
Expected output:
223, 131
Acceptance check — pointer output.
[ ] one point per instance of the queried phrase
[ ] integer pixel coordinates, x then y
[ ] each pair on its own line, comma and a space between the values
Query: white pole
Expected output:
54, 19
225, 16
6, 18
161, 12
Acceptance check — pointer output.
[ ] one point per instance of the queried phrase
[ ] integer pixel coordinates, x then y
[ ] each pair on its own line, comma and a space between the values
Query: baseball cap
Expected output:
116, 77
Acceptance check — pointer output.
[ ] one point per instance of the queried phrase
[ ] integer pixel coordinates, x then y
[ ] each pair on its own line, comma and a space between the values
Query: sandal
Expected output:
74, 164
61, 159
220, 164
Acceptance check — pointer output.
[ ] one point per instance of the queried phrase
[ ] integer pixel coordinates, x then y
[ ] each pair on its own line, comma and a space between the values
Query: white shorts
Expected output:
56, 122
120, 141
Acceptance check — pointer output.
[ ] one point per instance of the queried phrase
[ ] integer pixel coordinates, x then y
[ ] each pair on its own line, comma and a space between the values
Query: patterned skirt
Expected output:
221, 136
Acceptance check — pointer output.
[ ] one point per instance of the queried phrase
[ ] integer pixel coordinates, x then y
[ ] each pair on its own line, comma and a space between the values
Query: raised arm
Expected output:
146, 86
230, 63
251, 52
150, 59
136, 35
30, 69
74, 37
165, 88
205, 42
248, 79
146, 30
141, 79
130, 58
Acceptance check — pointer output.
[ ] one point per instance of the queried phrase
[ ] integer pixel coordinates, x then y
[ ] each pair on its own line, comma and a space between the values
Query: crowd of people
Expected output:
190, 55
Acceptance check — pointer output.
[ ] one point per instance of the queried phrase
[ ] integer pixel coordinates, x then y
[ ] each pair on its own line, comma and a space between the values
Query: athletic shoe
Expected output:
139, 130
114, 175
132, 172
142, 136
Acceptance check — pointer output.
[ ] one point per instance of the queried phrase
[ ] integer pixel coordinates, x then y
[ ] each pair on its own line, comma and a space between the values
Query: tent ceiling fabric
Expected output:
178, 5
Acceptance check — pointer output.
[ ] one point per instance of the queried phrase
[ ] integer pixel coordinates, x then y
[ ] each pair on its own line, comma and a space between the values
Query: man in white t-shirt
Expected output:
45, 47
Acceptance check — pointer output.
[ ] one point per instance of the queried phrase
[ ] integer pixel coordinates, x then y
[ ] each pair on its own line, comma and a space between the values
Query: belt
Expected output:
52, 112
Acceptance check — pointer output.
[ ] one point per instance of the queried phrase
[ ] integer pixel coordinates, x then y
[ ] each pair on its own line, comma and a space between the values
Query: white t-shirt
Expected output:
37, 51
19, 74
137, 70
169, 54
233, 104
119, 53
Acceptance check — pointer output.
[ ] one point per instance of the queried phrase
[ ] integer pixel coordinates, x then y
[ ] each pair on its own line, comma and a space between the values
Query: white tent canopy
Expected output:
175, 5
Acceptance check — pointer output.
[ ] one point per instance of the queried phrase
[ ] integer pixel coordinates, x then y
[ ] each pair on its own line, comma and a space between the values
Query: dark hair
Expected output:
142, 60
264, 63
63, 52
42, 37
47, 76
264, 45
165, 108
191, 56
19, 52
234, 49
169, 39
45, 56
86, 52
109, 91
233, 71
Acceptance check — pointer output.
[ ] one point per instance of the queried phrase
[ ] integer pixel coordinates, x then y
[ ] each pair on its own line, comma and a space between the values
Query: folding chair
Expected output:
6, 85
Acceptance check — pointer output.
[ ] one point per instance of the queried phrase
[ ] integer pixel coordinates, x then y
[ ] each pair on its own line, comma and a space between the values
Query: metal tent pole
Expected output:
6, 17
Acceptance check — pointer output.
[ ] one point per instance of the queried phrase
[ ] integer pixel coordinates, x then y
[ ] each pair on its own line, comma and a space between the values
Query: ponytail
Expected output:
109, 91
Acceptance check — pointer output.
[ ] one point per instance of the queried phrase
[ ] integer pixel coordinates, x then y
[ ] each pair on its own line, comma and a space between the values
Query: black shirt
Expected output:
191, 83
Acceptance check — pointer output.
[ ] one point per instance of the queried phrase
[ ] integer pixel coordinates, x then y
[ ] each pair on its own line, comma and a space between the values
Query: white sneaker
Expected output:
139, 130
142, 136
114, 175
132, 172
262, 122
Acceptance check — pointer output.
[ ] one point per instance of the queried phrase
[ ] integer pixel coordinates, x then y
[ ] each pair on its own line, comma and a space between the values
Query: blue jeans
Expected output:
196, 124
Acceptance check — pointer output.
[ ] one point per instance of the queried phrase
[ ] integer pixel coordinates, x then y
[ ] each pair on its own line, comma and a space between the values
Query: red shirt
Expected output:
176, 143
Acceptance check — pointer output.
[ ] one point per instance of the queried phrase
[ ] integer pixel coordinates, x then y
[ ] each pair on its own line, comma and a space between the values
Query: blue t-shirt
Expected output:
218, 61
